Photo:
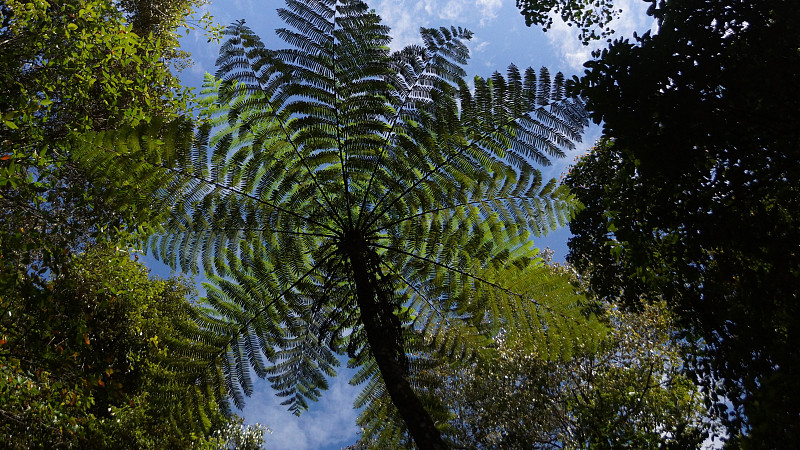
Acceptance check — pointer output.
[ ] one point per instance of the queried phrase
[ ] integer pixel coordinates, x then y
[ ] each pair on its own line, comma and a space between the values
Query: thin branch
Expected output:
339, 145
270, 230
420, 294
458, 271
487, 282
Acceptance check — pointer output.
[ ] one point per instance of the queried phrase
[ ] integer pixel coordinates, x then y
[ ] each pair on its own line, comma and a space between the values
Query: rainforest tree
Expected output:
343, 198
623, 387
694, 199
102, 356
79, 333
68, 67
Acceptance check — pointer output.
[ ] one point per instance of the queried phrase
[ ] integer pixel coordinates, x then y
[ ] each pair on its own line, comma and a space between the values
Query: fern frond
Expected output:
342, 198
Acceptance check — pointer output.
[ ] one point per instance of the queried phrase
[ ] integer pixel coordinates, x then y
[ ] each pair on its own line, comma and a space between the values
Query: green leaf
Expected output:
344, 199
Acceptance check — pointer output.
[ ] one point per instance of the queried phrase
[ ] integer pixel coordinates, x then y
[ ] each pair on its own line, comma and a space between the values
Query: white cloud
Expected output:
405, 17
429, 6
565, 42
329, 423
452, 11
488, 9
476, 45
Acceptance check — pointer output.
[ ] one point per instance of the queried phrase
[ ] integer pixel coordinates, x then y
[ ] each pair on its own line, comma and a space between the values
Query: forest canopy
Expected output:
348, 203
692, 198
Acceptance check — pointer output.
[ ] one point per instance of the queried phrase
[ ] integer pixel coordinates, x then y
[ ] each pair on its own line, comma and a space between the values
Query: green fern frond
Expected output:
342, 198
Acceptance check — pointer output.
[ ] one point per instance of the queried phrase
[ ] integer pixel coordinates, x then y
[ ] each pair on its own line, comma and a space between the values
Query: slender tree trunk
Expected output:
383, 344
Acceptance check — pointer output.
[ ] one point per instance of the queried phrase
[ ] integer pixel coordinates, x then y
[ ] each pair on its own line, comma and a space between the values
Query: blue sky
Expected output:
501, 38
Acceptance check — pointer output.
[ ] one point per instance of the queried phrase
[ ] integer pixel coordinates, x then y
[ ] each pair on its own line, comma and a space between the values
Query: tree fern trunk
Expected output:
383, 334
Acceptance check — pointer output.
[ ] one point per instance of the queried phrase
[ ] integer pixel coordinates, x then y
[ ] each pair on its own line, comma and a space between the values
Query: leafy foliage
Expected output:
626, 389
552, 323
342, 198
696, 200
92, 353
236, 436
591, 17
103, 357
68, 67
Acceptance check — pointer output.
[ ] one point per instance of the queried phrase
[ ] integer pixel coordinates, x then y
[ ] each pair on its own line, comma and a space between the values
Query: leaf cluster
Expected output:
696, 200
93, 354
102, 356
625, 389
591, 17
69, 67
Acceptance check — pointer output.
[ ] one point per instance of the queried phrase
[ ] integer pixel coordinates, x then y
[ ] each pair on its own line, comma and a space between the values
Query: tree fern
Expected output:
344, 199
540, 311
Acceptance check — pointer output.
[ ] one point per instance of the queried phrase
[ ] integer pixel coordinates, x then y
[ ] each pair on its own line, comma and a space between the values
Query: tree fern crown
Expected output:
336, 157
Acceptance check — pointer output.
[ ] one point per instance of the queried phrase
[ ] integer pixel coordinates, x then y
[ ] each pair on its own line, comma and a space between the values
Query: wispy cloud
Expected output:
564, 38
405, 17
329, 423
477, 45
452, 11
488, 9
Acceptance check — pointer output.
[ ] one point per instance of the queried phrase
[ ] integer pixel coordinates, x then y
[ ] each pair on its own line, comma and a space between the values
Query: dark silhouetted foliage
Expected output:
695, 198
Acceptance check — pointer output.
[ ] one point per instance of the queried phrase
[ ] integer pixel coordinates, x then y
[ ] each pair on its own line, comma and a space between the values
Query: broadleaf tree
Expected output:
343, 199
628, 391
590, 17
69, 67
693, 198
68, 315
103, 356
